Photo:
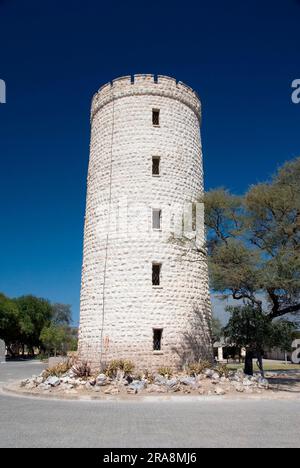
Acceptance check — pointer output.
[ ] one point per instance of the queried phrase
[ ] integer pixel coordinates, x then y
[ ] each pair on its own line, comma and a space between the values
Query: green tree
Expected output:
249, 328
54, 338
58, 338
9, 323
34, 315
61, 314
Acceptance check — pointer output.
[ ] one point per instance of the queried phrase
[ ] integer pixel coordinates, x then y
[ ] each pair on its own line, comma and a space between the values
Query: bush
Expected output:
57, 370
223, 370
165, 371
149, 376
119, 365
196, 368
82, 369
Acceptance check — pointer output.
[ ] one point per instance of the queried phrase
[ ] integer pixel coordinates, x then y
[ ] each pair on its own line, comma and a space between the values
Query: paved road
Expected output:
28, 422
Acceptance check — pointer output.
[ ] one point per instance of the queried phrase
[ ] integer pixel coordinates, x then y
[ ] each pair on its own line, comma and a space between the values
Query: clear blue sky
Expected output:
241, 57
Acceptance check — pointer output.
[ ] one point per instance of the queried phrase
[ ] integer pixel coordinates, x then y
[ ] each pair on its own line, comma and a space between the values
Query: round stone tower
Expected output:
144, 292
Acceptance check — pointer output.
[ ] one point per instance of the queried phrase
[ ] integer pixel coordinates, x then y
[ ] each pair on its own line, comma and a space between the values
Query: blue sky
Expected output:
241, 57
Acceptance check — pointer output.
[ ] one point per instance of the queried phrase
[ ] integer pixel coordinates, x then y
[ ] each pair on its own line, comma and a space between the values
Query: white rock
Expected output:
215, 376
53, 381
239, 388
263, 383
219, 391
101, 380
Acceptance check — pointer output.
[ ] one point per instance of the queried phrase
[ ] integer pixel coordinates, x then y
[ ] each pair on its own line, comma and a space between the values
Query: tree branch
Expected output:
286, 310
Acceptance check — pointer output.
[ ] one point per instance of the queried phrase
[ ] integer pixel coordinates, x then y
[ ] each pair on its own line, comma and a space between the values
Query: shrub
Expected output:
223, 370
149, 376
138, 376
119, 364
82, 369
165, 371
196, 368
57, 370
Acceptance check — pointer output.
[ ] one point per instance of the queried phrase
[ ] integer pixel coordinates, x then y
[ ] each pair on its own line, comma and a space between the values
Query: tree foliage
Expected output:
249, 328
54, 338
254, 242
9, 321
34, 323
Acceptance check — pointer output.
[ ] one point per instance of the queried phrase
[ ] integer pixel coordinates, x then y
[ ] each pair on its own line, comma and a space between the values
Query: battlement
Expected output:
142, 84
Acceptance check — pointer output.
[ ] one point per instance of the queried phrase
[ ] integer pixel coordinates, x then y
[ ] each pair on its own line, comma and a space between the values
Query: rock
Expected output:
96, 389
53, 381
88, 386
247, 382
171, 383
177, 388
215, 376
209, 373
38, 380
239, 388
101, 380
71, 374
24, 382
137, 385
200, 377
219, 391
160, 380
30, 385
189, 381
263, 383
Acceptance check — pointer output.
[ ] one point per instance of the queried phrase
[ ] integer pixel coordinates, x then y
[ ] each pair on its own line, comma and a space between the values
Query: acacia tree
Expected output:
254, 245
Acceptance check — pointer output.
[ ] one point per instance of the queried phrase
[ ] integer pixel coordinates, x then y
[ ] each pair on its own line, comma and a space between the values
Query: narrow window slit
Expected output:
155, 117
157, 336
156, 274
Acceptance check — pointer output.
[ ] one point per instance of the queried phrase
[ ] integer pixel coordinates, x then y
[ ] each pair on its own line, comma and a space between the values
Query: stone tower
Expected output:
144, 297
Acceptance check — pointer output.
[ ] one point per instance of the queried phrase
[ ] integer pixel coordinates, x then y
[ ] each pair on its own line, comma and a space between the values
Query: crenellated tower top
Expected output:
142, 85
